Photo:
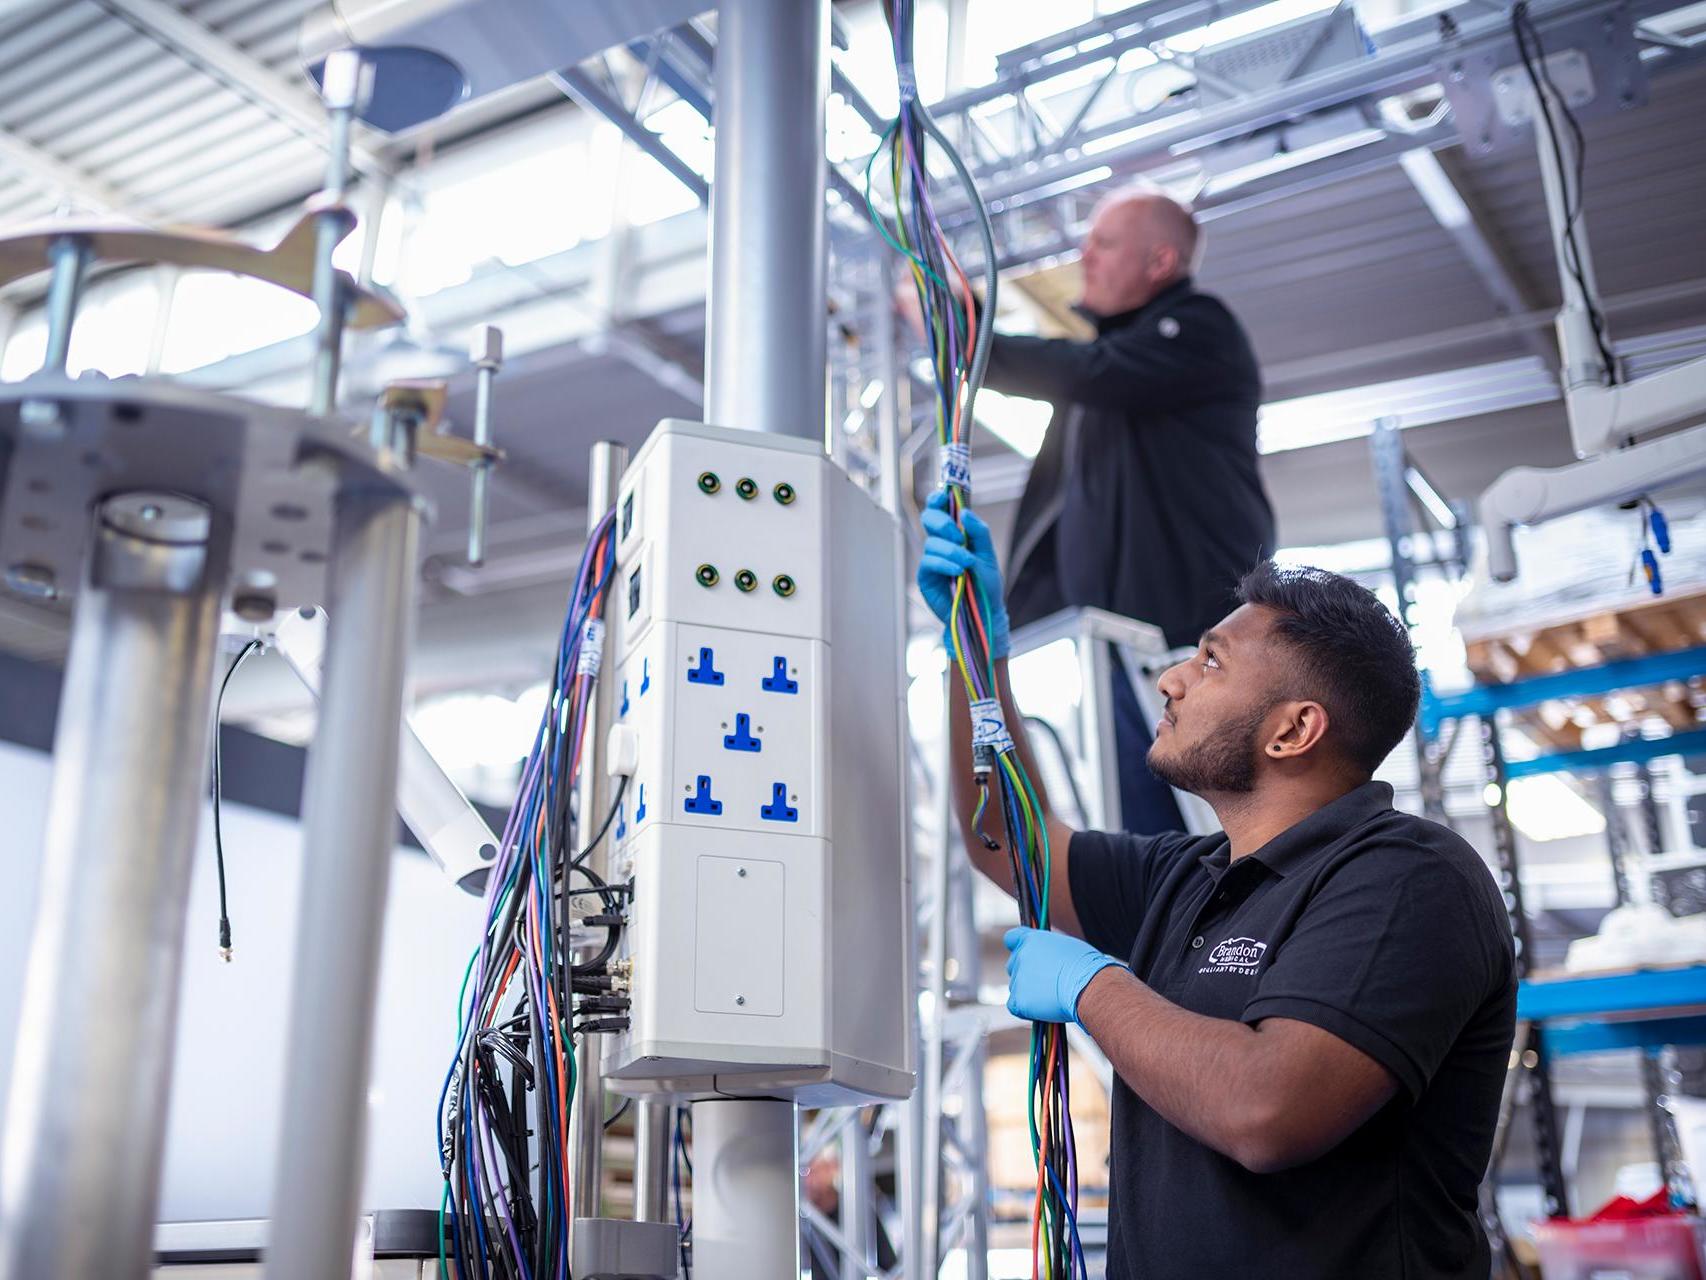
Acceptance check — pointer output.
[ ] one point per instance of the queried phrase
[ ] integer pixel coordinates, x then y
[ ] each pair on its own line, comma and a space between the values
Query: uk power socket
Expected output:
745, 722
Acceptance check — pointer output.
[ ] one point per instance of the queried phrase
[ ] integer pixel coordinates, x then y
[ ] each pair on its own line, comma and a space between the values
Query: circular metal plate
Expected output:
261, 476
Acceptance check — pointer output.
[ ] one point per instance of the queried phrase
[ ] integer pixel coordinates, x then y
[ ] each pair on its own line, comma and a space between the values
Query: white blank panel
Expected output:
740, 951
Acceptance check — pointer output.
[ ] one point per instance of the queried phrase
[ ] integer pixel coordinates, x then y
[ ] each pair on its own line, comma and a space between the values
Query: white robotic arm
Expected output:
1605, 420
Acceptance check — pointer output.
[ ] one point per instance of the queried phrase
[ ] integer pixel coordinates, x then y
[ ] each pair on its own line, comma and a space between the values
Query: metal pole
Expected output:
487, 355
1101, 752
85, 1124
349, 835
858, 1203
1532, 1052
651, 1162
766, 344
1386, 445
345, 84
765, 362
70, 258
746, 1190
604, 477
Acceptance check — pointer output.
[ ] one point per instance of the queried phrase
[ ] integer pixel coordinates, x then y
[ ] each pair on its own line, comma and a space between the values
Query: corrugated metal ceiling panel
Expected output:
1645, 189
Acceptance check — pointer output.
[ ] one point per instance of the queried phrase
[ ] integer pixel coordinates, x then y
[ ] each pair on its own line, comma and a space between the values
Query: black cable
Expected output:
218, 833
619, 1112
1533, 54
615, 804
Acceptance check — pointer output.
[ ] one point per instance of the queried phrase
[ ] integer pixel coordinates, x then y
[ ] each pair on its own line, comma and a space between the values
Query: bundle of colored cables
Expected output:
959, 331
506, 1206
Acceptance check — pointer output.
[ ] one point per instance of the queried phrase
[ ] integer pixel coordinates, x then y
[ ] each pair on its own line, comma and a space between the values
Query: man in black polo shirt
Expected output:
1309, 1014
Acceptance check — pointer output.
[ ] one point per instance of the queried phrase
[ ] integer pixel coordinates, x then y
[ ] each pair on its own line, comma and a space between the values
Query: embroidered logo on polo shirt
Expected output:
1235, 955
1168, 327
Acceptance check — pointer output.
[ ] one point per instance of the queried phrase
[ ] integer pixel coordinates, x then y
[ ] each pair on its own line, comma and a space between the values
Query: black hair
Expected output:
1354, 657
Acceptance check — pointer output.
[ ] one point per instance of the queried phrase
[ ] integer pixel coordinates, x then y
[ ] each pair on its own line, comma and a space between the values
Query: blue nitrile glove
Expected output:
1047, 972
947, 555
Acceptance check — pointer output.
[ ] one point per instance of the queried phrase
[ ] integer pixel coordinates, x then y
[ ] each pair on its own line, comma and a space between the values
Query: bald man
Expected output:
1145, 499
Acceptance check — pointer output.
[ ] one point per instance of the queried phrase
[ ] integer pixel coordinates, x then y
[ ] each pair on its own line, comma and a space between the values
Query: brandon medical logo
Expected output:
1235, 955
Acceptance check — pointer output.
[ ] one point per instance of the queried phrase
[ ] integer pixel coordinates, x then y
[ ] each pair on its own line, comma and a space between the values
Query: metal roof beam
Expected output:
1461, 218
245, 75
592, 96
50, 172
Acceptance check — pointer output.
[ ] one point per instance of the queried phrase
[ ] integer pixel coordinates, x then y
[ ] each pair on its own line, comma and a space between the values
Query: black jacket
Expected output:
1145, 498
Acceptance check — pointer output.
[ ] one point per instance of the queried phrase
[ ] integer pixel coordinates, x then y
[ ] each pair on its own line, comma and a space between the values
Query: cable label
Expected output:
956, 466
908, 81
592, 649
989, 726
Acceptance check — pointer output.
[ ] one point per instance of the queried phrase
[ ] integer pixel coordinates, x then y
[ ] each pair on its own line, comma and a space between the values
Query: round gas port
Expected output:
746, 579
783, 585
708, 482
747, 487
785, 493
707, 575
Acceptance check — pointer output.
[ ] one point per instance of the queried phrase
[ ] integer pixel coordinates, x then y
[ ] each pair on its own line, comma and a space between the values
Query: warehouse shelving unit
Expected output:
1647, 1010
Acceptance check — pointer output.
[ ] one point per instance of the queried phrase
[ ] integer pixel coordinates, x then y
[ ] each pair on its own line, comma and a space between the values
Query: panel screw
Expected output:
740, 999
741, 873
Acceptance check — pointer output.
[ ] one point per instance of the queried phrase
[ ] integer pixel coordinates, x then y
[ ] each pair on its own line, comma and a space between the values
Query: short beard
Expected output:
1224, 763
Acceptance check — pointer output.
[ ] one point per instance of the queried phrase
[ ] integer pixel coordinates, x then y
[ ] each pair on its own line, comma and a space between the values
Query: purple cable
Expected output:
501, 1196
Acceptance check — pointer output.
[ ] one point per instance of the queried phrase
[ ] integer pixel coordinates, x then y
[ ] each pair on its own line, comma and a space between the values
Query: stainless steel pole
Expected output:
345, 85
858, 1199
765, 347
349, 836
746, 1190
604, 477
651, 1162
765, 363
86, 1119
70, 258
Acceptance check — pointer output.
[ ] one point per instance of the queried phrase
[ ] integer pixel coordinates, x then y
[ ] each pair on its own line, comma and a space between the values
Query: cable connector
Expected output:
225, 939
605, 918
602, 1026
604, 1004
982, 760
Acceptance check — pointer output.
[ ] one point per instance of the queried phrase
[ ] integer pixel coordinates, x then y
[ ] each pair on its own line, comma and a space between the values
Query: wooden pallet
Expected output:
1663, 625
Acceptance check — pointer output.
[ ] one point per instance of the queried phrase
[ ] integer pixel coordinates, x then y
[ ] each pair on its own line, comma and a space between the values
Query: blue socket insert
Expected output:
640, 808
704, 671
624, 710
777, 810
645, 675
622, 822
741, 739
700, 801
778, 681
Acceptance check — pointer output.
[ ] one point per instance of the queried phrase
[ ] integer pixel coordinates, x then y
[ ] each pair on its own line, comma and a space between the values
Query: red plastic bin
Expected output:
1624, 1241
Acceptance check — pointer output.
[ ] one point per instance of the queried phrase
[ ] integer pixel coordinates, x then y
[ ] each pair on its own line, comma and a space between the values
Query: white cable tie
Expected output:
908, 83
989, 726
592, 649
956, 466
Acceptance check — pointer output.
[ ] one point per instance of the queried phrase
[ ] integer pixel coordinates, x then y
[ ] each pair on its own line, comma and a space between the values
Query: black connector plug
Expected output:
600, 1026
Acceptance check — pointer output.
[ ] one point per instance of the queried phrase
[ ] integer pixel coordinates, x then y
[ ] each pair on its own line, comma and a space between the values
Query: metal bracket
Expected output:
1593, 59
